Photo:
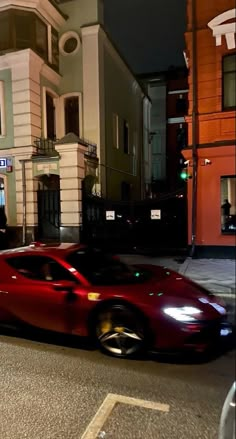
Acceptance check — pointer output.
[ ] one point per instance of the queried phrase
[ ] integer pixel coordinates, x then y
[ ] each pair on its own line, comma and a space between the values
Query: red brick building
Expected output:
211, 56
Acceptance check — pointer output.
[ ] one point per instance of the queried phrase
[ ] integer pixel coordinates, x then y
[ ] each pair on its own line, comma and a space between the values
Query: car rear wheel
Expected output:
120, 331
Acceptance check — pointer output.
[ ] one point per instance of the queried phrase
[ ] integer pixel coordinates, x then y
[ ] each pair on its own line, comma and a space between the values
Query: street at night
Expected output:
54, 390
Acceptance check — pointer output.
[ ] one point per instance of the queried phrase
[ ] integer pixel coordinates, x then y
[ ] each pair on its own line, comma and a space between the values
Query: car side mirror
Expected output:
68, 288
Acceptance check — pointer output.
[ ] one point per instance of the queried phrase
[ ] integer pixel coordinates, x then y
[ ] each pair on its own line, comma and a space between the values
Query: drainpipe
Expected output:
194, 131
24, 223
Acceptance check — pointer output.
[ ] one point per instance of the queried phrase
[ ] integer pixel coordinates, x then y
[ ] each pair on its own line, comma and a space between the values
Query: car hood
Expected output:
173, 282
178, 290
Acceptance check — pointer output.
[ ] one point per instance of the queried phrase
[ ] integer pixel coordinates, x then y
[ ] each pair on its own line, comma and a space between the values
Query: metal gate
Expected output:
48, 214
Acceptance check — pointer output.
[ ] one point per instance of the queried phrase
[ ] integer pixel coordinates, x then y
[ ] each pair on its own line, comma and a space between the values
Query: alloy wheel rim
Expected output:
121, 342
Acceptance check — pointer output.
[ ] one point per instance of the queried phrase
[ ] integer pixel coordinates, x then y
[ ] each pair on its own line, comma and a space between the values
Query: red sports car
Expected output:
83, 291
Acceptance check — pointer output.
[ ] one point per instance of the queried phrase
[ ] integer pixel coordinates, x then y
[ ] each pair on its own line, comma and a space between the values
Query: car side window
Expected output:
41, 268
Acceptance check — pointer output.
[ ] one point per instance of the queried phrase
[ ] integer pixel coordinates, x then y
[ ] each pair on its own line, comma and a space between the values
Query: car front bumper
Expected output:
197, 336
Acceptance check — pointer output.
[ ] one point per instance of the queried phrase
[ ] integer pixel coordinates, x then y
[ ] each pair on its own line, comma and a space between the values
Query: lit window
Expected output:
2, 110
116, 131
229, 81
228, 204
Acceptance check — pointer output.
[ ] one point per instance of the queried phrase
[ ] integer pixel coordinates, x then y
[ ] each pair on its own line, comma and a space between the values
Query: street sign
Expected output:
156, 214
110, 215
3, 163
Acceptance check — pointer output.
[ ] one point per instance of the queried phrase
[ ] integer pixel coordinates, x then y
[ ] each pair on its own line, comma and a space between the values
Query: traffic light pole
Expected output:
194, 131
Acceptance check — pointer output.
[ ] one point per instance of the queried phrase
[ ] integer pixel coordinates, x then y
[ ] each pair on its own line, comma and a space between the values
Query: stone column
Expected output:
72, 172
30, 189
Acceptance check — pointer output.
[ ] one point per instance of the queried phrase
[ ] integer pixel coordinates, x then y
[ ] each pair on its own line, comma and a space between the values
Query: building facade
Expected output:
70, 110
168, 92
211, 57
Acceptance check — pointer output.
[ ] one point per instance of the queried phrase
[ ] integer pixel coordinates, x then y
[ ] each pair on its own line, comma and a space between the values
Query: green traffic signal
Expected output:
184, 175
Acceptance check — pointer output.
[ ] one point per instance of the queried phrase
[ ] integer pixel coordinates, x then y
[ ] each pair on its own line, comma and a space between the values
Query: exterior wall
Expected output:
123, 98
215, 127
101, 100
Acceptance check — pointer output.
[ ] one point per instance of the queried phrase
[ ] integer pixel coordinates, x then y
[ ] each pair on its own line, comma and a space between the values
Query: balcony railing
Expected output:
46, 147
92, 148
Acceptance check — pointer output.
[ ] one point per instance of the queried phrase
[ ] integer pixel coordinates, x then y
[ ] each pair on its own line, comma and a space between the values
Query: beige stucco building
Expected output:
60, 74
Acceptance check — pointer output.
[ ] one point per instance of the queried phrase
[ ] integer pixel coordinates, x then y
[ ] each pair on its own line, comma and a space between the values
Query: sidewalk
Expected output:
217, 275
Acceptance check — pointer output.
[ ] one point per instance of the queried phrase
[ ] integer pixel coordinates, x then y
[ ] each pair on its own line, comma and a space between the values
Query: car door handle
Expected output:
3, 292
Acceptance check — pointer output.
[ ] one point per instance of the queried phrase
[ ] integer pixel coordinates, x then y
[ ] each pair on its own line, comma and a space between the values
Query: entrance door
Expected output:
48, 196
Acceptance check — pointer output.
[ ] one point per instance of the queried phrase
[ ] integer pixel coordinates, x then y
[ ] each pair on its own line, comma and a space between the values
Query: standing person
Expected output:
226, 212
3, 229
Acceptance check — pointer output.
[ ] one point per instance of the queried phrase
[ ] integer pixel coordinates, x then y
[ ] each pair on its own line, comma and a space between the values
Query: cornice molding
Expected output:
220, 28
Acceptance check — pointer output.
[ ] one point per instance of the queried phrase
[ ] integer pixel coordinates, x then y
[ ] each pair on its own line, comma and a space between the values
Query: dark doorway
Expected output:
49, 208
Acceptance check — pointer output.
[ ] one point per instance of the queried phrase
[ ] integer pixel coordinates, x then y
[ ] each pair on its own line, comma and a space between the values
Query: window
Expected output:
229, 81
41, 42
115, 130
69, 43
4, 31
22, 30
228, 204
55, 49
181, 105
103, 269
2, 110
72, 115
126, 137
135, 153
50, 112
40, 268
181, 137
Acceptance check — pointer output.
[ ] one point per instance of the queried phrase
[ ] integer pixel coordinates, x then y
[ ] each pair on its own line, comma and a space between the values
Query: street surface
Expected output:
52, 390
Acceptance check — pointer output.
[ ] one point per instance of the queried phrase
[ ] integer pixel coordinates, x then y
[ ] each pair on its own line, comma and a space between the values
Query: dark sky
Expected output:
148, 33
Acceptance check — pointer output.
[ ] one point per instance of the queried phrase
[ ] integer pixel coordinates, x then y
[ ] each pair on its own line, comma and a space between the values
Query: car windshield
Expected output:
101, 268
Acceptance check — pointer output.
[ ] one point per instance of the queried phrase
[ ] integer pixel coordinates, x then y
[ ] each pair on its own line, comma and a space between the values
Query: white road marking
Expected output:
95, 426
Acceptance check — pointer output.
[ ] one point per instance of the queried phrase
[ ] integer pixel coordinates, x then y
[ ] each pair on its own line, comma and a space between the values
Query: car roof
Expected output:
41, 248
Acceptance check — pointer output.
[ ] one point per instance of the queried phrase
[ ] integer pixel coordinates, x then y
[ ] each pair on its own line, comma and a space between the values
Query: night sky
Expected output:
148, 33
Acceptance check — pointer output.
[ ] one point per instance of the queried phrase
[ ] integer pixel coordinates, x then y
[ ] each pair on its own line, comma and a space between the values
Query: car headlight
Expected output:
183, 314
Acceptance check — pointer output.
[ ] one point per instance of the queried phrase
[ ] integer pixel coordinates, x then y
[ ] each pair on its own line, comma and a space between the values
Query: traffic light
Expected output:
184, 169
184, 175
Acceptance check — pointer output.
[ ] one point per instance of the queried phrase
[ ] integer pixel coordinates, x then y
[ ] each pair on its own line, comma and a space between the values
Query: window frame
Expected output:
115, 130
224, 107
222, 199
36, 257
66, 115
10, 17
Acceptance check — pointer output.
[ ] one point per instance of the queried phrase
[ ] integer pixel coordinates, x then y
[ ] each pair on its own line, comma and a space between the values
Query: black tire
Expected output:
120, 331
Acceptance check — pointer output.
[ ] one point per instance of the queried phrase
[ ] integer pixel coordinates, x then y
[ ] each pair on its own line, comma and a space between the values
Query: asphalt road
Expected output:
53, 390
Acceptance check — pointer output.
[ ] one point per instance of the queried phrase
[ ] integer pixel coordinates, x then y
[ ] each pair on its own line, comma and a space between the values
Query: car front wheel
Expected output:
120, 331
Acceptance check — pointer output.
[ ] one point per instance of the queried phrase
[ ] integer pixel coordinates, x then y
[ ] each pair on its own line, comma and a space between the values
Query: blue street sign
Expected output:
3, 163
